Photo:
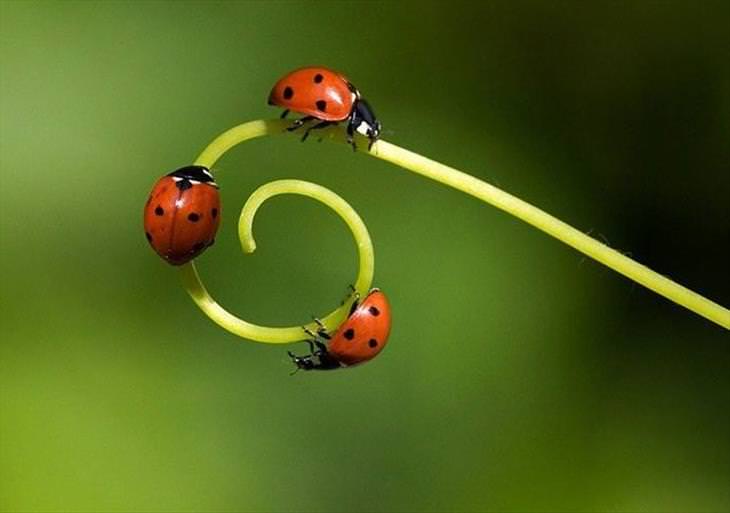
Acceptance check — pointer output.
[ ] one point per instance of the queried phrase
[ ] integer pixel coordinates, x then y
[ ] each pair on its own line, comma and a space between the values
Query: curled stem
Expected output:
244, 329
498, 198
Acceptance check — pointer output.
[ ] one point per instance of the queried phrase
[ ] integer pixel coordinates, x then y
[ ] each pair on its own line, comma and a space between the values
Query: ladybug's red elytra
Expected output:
182, 214
360, 338
328, 96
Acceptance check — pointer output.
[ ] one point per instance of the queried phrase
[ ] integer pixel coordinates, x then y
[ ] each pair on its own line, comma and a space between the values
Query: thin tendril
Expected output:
244, 329
489, 194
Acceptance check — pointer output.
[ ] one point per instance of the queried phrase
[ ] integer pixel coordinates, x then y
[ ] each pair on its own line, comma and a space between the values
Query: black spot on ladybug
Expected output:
373, 343
193, 217
159, 211
321, 105
318, 78
349, 334
214, 213
374, 311
183, 184
288, 93
149, 237
198, 246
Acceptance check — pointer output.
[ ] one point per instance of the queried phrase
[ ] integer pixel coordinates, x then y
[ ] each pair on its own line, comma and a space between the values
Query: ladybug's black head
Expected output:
317, 360
302, 362
363, 121
194, 174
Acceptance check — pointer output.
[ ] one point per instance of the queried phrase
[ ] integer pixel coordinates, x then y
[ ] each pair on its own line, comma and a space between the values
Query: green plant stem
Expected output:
498, 198
556, 228
244, 329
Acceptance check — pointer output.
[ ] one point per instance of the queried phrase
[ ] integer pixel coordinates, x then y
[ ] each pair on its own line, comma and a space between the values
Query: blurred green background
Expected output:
519, 376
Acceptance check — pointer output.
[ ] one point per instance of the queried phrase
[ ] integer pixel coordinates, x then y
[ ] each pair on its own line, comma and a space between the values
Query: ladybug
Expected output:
327, 96
182, 214
359, 339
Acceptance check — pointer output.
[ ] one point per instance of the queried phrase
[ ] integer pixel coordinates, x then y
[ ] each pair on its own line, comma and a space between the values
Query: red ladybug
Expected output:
182, 214
327, 96
359, 339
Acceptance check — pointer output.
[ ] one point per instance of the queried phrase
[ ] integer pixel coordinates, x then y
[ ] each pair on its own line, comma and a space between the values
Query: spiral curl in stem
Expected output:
245, 232
474, 187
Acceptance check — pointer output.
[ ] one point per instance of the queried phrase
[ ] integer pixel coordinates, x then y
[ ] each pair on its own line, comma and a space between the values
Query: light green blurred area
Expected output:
518, 375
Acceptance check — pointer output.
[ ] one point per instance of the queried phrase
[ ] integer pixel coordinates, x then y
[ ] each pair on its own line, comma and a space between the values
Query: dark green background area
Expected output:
519, 375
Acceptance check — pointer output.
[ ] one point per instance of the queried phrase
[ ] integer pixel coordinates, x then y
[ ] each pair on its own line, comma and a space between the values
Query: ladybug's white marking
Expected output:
364, 128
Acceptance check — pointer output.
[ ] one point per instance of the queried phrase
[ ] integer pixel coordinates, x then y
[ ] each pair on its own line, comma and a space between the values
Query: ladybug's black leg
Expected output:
322, 331
309, 332
354, 306
321, 124
353, 294
322, 348
372, 138
351, 134
311, 347
284, 114
299, 122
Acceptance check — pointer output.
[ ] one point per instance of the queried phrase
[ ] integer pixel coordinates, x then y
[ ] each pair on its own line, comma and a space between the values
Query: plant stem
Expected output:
554, 227
494, 196
244, 329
